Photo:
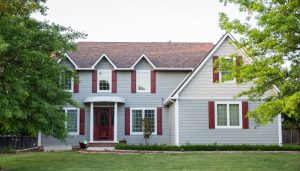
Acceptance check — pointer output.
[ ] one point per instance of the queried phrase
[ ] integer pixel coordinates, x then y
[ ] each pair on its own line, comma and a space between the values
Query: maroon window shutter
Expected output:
215, 71
127, 121
159, 121
153, 81
133, 81
211, 115
238, 61
114, 81
76, 83
94, 81
81, 122
244, 115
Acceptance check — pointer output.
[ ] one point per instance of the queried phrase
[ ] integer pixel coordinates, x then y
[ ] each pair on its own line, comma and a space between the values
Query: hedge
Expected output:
208, 147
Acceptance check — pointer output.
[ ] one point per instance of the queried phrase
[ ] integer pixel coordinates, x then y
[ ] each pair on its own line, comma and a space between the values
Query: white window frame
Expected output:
143, 116
109, 80
228, 116
72, 86
137, 81
72, 108
220, 74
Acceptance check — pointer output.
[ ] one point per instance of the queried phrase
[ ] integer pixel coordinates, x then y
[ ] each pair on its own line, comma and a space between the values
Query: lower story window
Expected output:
72, 120
228, 114
138, 115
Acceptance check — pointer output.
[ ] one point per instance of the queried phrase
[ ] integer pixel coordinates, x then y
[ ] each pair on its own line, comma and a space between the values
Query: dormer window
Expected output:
104, 80
143, 80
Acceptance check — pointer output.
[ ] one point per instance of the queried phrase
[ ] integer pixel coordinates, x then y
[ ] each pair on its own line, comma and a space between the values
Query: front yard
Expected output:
73, 161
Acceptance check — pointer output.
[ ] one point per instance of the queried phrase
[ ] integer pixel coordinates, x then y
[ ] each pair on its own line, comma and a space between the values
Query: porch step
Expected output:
101, 144
100, 148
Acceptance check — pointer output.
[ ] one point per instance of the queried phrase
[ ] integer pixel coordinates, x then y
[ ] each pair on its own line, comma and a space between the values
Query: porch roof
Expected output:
103, 99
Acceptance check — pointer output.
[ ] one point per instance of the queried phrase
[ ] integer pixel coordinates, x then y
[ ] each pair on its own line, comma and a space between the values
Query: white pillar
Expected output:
116, 122
279, 130
39, 138
91, 122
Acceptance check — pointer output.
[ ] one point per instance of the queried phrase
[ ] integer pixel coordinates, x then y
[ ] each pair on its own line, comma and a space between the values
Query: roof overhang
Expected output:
103, 99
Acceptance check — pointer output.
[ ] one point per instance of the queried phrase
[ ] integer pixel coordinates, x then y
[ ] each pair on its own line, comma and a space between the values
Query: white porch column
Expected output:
116, 122
39, 138
91, 122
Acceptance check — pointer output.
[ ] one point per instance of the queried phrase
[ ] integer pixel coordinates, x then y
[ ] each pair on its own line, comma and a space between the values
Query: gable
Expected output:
143, 64
104, 64
67, 63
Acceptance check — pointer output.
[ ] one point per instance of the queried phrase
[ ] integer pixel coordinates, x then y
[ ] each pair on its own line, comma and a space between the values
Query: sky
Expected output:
142, 20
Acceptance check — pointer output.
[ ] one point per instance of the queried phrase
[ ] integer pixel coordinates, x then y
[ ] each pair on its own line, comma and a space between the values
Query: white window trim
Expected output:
143, 116
220, 74
228, 117
72, 86
137, 81
72, 108
109, 81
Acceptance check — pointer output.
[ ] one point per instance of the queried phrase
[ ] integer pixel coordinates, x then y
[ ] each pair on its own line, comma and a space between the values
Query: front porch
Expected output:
103, 118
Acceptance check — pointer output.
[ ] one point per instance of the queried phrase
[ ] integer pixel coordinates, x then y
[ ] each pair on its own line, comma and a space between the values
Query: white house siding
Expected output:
193, 127
166, 81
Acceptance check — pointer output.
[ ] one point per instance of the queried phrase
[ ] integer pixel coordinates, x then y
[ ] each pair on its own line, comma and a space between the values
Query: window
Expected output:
67, 83
137, 114
104, 80
143, 81
72, 123
228, 114
223, 74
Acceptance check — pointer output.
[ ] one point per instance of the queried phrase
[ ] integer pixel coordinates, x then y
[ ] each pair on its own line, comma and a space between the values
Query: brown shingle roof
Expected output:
125, 54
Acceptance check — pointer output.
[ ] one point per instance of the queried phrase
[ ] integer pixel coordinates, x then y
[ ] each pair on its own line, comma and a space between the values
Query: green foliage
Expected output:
271, 37
31, 96
212, 147
146, 123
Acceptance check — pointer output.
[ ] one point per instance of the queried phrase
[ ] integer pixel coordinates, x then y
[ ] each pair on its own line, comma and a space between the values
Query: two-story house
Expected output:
175, 85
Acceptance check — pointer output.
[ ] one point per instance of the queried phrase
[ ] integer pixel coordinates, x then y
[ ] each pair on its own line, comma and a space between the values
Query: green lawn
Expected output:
73, 161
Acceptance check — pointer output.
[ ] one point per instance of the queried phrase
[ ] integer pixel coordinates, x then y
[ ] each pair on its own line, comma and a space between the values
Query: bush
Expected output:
208, 147
6, 150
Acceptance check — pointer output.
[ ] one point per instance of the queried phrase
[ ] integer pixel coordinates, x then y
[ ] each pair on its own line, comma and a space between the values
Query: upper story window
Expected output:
104, 80
228, 114
223, 74
138, 115
72, 123
143, 80
68, 83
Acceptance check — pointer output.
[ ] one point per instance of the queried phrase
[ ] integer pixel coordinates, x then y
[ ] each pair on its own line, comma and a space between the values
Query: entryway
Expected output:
103, 123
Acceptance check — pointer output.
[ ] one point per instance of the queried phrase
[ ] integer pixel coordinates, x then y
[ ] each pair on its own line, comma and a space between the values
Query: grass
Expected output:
74, 161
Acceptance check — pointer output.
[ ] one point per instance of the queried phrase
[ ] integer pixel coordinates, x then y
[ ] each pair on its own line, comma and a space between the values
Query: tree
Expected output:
147, 131
31, 95
272, 41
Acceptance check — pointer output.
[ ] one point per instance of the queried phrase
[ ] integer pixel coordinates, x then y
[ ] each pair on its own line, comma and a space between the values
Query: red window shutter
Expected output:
94, 81
244, 115
159, 121
153, 81
133, 81
76, 83
127, 121
215, 71
81, 121
238, 61
114, 81
211, 115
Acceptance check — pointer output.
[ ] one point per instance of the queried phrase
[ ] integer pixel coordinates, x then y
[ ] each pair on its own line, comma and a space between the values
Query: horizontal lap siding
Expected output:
172, 123
165, 84
193, 123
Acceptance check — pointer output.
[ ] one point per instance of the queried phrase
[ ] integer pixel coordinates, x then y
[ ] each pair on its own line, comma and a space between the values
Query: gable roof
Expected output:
126, 54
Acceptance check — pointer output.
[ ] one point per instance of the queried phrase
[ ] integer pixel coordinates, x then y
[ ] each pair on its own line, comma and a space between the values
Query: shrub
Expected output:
214, 147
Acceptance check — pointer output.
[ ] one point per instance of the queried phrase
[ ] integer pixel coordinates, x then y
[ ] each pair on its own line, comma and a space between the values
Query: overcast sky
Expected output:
142, 20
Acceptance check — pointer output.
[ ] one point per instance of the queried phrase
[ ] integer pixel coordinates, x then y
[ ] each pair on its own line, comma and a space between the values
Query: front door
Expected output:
103, 123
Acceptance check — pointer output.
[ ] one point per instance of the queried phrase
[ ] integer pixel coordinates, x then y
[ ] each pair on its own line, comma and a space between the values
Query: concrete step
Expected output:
101, 144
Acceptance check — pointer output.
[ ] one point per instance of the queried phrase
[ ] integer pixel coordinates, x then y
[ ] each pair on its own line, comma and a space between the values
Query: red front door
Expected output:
103, 124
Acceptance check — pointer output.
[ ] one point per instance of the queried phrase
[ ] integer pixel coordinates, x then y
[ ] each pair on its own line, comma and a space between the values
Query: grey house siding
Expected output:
166, 81
172, 123
193, 127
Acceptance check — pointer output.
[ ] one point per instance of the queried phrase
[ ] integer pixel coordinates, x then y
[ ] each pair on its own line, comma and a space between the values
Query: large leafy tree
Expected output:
271, 37
31, 96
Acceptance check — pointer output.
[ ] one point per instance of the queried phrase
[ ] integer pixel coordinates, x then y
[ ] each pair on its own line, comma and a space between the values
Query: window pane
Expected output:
150, 114
234, 114
67, 82
104, 81
72, 121
222, 115
143, 81
136, 120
